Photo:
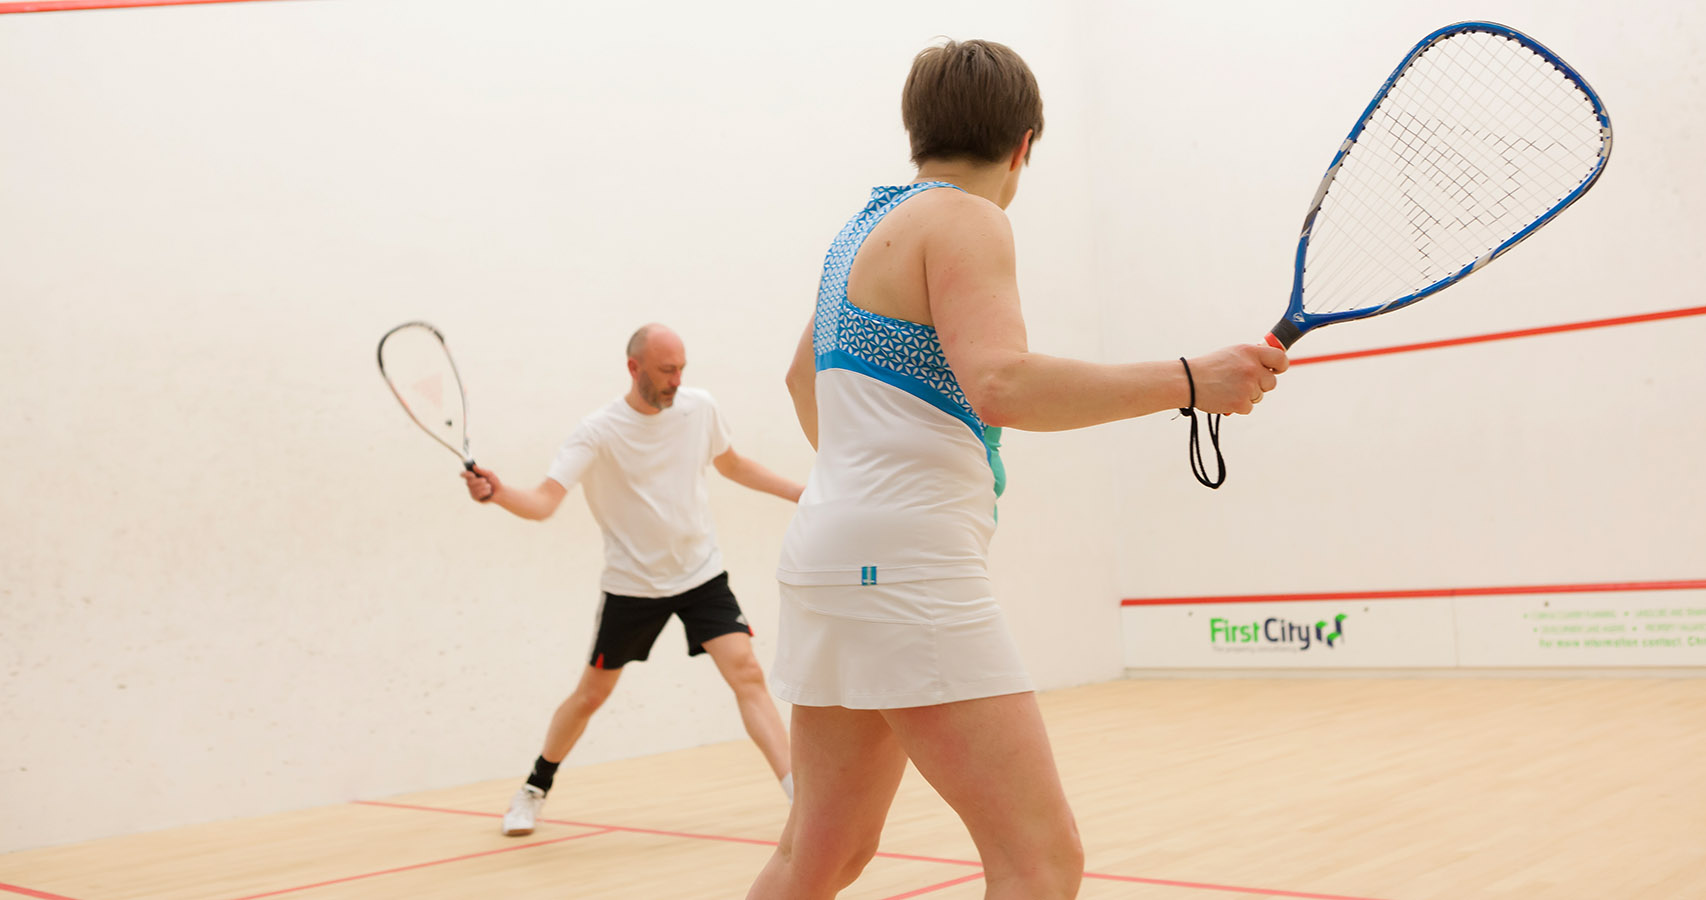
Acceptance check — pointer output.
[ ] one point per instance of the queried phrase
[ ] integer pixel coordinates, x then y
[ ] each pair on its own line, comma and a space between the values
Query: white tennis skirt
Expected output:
891, 646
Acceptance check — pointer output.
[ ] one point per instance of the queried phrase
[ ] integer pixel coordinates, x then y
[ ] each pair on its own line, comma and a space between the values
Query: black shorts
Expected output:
628, 626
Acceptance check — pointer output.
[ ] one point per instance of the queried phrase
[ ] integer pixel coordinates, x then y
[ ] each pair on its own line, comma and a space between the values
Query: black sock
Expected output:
544, 772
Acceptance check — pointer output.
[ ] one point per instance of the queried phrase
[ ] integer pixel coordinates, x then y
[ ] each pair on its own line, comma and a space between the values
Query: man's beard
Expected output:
655, 397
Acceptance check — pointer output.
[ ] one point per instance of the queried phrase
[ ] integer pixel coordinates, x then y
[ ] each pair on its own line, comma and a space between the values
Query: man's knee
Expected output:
589, 695
743, 673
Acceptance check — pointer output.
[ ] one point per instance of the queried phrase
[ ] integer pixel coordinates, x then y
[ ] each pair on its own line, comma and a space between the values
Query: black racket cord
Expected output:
1199, 467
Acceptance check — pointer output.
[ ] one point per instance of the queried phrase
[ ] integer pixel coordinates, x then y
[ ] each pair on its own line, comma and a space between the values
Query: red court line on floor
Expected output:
436, 862
1159, 882
1223, 888
1604, 587
492, 815
24, 891
606, 829
935, 887
656, 831
66, 5
1504, 335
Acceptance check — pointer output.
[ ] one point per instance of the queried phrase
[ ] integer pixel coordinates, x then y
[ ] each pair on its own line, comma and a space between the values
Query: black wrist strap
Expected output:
1199, 468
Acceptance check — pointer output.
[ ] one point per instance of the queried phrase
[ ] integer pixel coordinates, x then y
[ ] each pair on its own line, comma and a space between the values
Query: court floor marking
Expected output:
908, 857
26, 892
936, 887
437, 862
597, 830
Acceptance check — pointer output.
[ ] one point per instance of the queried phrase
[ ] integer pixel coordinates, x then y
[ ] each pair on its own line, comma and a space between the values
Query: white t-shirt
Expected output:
644, 478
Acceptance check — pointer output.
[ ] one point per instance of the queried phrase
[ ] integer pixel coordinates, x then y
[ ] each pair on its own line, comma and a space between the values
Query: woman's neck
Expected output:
986, 180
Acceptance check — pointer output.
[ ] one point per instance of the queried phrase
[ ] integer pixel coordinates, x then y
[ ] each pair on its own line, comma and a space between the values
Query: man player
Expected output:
642, 461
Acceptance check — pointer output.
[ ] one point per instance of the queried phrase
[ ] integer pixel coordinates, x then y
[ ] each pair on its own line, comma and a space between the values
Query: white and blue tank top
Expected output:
907, 475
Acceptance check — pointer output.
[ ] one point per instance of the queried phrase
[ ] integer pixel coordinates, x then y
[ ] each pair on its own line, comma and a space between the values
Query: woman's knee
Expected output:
831, 861
1070, 866
1066, 857
1048, 867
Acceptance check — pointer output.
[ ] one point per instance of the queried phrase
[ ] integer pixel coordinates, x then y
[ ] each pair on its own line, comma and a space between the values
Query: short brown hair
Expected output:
970, 99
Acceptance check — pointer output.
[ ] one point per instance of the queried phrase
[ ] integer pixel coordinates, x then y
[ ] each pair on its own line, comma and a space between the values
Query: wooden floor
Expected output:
1575, 789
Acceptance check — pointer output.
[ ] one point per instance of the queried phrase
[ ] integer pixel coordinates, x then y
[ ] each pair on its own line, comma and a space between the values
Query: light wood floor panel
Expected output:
614, 866
1570, 789
248, 856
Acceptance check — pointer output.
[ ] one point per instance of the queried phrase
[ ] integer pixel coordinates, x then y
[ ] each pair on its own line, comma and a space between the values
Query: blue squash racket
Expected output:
1477, 139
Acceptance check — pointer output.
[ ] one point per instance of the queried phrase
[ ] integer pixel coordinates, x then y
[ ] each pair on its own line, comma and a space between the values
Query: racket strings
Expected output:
1479, 138
417, 366
1455, 171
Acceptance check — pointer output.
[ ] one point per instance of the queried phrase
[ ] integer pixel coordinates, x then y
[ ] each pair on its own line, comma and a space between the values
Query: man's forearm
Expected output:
528, 503
752, 475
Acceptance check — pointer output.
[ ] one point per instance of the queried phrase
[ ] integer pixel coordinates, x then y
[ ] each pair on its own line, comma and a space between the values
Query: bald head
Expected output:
656, 357
652, 333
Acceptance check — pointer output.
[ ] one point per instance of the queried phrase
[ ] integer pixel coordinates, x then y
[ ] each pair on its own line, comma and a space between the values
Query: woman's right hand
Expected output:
1233, 379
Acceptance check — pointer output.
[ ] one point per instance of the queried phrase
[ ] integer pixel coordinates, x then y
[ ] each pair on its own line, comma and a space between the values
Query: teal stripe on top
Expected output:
906, 355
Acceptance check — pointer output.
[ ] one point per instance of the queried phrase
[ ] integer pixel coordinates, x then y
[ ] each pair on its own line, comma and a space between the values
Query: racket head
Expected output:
417, 366
1478, 138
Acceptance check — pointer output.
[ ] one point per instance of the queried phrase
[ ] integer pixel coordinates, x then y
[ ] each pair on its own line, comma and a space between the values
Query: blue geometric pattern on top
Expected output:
904, 354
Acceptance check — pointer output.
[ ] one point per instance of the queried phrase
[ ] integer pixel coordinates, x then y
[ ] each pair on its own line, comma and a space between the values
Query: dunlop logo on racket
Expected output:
1478, 138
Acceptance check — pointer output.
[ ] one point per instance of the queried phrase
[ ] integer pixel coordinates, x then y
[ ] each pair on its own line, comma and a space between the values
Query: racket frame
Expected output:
466, 457
1296, 322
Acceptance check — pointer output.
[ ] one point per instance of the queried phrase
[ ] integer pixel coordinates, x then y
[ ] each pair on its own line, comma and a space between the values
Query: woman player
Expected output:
890, 644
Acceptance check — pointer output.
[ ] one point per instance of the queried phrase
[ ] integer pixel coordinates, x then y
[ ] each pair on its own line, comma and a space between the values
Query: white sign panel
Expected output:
1291, 635
1612, 628
1491, 629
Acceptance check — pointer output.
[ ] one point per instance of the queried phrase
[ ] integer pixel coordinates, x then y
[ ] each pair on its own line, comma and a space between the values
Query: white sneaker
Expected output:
523, 811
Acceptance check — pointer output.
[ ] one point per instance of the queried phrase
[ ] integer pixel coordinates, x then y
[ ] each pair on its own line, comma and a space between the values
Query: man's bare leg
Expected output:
739, 667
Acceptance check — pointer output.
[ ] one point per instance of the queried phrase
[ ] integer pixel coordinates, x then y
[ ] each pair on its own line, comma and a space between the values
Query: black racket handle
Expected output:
1282, 335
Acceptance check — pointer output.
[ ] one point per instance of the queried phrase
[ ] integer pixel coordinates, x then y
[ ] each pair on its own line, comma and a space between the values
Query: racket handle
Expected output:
1283, 335
469, 465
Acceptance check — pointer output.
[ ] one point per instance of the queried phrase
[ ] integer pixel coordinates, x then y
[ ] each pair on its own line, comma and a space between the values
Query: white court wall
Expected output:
233, 578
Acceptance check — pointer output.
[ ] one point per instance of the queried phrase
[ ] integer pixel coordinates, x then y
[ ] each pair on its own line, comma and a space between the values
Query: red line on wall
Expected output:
24, 891
436, 862
66, 5
1605, 587
1504, 335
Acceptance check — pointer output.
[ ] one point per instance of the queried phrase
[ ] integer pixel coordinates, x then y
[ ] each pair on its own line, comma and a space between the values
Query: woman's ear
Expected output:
1021, 153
